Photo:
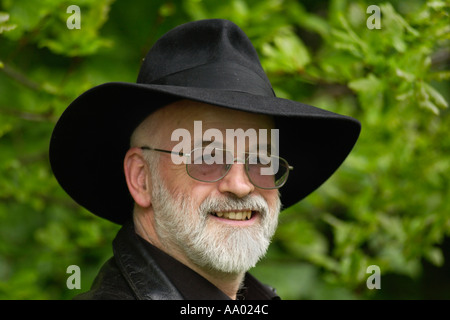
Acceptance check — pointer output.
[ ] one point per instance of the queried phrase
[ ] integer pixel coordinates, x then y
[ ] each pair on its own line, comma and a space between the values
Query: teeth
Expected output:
239, 215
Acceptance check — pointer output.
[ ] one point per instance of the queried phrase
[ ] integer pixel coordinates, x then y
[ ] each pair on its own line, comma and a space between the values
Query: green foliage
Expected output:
387, 205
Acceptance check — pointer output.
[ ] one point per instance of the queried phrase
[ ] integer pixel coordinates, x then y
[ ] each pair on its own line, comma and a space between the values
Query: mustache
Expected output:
219, 204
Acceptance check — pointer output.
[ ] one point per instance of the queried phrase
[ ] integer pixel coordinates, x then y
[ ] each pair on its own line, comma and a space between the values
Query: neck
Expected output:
228, 283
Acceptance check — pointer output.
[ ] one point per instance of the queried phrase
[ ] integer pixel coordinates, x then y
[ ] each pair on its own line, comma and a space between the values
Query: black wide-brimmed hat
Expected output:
210, 61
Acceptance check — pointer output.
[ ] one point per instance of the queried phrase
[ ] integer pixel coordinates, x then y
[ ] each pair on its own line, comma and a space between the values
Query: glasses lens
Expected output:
212, 164
208, 164
267, 172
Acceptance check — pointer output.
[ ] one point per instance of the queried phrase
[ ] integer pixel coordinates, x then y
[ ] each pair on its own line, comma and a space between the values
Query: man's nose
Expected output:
236, 181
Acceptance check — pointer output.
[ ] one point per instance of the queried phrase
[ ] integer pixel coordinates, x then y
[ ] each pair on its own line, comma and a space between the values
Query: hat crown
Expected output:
213, 53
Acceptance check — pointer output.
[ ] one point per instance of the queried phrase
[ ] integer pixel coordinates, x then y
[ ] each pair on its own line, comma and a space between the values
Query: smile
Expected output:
235, 215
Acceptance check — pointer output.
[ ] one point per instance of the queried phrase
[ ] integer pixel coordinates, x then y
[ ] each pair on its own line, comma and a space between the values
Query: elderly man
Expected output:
190, 160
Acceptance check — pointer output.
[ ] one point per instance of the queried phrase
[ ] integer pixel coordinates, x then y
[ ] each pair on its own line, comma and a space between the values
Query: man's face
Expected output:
225, 225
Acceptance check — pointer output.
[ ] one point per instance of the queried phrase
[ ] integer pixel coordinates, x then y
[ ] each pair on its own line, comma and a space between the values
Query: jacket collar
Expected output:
139, 268
143, 270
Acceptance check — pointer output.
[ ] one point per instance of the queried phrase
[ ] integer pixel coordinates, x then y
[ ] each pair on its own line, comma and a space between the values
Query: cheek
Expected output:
271, 197
199, 191
174, 176
178, 181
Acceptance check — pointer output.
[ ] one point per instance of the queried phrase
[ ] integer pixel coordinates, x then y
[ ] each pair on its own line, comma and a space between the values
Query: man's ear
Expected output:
137, 174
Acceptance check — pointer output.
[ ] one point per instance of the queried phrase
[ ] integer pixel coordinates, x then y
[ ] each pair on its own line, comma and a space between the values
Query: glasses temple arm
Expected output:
165, 151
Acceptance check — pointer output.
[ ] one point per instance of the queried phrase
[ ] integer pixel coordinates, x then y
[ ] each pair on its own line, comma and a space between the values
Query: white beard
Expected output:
211, 245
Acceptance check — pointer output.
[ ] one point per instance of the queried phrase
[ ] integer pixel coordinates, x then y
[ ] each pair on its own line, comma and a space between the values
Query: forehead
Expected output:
182, 114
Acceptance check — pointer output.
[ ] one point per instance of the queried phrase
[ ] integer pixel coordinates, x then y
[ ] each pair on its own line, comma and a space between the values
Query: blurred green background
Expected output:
388, 205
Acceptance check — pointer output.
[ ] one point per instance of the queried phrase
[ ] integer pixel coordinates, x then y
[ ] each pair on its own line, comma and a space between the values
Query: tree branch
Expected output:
38, 117
21, 78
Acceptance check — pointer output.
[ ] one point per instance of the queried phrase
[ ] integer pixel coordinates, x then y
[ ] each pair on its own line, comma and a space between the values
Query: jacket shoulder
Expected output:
108, 285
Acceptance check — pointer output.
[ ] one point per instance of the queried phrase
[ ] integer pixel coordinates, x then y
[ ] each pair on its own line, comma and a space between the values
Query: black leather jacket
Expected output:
132, 273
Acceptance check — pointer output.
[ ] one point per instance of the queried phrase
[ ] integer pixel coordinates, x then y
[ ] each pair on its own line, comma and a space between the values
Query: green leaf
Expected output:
4, 26
439, 100
368, 84
435, 256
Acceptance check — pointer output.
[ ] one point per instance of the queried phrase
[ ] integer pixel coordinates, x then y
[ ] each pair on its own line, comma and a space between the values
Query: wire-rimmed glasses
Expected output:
210, 165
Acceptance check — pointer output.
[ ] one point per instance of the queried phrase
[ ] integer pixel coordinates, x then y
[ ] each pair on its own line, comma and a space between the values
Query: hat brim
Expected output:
90, 139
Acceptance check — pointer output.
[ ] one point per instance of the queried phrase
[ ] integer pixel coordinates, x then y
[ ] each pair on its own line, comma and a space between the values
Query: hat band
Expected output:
222, 76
